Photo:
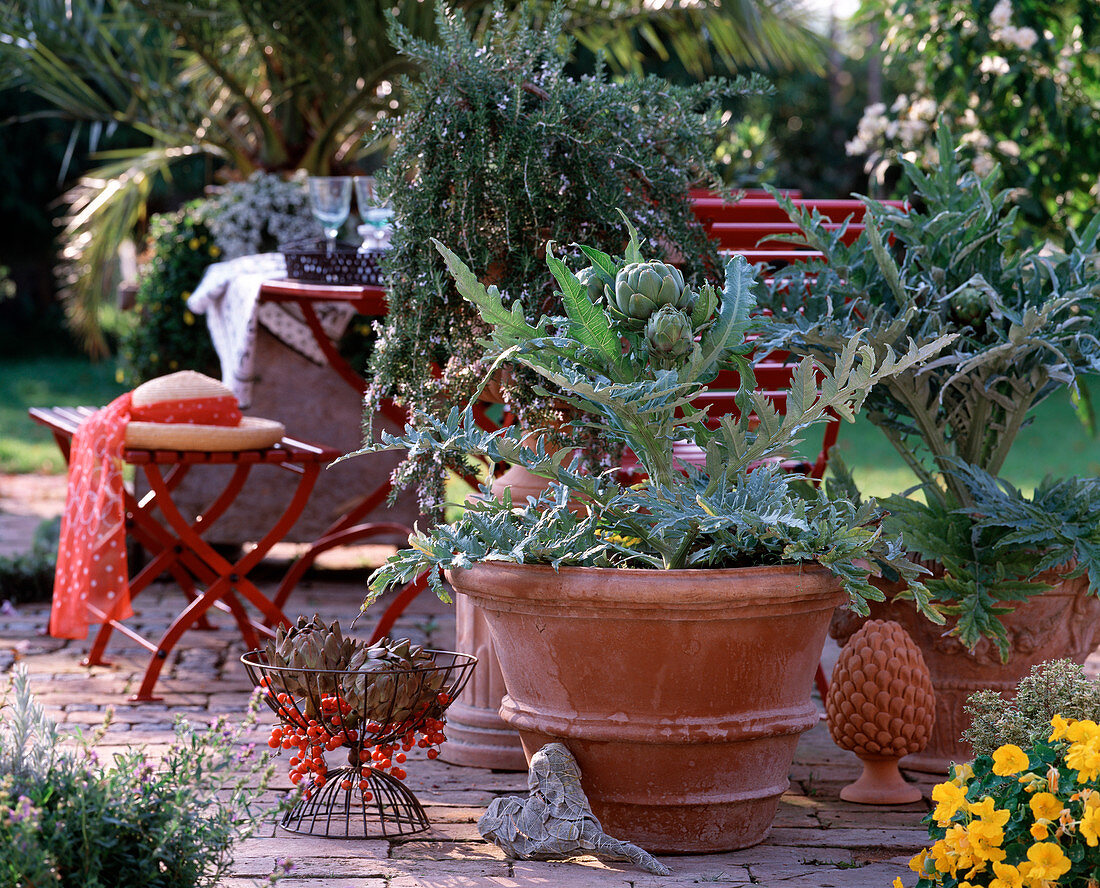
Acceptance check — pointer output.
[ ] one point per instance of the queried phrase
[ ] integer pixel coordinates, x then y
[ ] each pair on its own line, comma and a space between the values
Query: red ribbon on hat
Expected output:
91, 558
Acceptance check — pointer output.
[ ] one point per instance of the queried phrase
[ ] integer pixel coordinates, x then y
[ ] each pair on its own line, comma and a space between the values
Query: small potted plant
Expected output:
1011, 571
666, 631
1026, 811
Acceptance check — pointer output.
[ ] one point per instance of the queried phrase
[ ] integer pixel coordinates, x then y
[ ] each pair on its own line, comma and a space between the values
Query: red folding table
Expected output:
176, 544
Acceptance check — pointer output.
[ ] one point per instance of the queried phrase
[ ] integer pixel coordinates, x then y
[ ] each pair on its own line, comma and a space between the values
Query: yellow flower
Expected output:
119, 375
1008, 760
949, 798
944, 858
1052, 778
1039, 831
1090, 819
1046, 861
962, 775
215, 252
897, 882
1007, 876
188, 318
1061, 728
917, 862
1084, 757
1045, 806
987, 810
193, 243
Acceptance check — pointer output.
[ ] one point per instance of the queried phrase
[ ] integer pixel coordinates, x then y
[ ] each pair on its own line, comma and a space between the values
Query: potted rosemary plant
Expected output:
667, 631
498, 150
1011, 571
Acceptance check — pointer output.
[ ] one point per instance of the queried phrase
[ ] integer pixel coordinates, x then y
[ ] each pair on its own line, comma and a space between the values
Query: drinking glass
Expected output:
375, 212
330, 200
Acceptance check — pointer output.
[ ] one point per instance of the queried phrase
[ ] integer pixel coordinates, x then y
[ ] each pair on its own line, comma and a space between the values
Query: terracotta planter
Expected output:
682, 694
1062, 623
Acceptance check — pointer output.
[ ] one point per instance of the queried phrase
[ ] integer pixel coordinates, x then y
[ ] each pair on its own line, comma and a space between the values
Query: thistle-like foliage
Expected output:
1024, 324
1024, 321
739, 509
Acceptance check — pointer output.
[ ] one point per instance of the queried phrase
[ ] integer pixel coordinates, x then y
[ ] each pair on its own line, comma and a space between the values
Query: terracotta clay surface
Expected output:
1060, 623
681, 694
476, 735
880, 706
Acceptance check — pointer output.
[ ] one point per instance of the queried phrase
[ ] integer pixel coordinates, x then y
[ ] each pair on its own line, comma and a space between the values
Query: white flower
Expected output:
983, 164
924, 109
994, 65
1008, 148
1025, 38
856, 146
1001, 14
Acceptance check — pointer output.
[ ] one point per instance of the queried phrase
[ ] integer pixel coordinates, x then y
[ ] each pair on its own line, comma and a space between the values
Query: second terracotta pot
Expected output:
681, 694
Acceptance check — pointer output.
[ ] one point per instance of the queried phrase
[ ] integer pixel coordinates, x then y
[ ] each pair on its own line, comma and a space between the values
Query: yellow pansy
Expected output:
1090, 819
1008, 760
949, 799
1007, 876
1046, 861
1045, 806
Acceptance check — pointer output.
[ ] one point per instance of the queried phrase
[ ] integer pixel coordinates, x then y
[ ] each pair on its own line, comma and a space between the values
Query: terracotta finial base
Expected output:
881, 783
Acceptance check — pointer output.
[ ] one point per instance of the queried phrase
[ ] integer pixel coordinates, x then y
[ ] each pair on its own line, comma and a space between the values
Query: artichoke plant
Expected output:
639, 384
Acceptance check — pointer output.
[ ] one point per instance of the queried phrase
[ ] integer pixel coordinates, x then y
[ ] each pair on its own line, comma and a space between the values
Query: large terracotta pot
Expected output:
1062, 623
681, 694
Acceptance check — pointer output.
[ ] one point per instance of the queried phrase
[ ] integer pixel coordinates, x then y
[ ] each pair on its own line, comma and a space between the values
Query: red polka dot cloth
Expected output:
91, 558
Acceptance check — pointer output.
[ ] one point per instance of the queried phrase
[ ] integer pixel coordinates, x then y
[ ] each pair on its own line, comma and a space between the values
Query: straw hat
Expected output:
252, 434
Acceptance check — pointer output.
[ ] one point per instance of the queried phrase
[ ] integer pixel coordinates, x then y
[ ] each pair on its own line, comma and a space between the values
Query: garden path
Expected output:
818, 841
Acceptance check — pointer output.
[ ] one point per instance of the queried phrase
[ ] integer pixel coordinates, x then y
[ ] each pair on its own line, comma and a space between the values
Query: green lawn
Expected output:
1055, 442
26, 446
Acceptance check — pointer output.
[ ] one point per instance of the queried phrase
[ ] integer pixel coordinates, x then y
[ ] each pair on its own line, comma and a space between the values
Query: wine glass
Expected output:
330, 200
375, 212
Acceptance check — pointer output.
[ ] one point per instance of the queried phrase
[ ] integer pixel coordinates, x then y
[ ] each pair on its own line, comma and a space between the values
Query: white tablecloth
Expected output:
229, 297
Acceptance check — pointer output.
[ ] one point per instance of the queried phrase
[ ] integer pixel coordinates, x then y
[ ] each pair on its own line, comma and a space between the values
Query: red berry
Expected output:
433, 753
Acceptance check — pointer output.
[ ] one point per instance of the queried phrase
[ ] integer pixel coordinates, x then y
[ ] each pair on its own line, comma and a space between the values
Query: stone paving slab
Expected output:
817, 841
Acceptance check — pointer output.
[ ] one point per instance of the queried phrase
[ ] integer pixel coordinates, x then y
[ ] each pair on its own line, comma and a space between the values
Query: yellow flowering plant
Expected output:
1019, 818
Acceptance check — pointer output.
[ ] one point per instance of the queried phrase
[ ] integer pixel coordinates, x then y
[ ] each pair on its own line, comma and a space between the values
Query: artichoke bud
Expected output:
641, 288
670, 332
969, 305
592, 281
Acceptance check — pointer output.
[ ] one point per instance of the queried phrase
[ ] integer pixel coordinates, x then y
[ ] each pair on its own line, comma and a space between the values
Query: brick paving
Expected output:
817, 841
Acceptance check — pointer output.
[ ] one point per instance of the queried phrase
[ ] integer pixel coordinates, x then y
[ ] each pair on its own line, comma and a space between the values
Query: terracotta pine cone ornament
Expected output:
881, 706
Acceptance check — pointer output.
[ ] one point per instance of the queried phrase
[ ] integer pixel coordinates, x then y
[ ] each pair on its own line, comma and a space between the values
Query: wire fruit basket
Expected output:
370, 713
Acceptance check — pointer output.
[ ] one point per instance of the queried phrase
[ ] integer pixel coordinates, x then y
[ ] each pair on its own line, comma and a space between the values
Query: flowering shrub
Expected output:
1019, 818
1019, 79
259, 214
165, 336
68, 821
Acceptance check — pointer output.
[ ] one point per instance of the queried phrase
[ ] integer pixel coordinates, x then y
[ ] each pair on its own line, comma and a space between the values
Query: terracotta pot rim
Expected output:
592, 590
803, 567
